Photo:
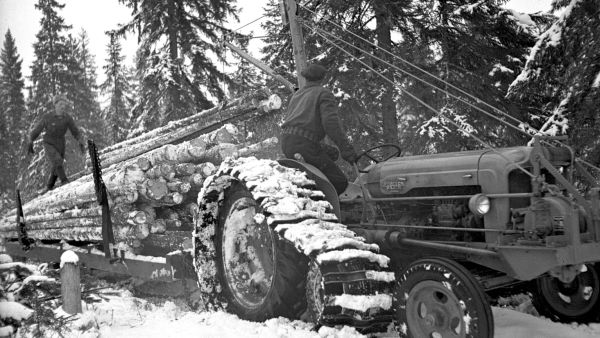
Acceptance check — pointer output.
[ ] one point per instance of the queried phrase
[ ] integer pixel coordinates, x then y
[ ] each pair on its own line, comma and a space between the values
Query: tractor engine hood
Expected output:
401, 175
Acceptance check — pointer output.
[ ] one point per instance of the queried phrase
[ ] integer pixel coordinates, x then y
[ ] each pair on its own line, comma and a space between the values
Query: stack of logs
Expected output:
152, 195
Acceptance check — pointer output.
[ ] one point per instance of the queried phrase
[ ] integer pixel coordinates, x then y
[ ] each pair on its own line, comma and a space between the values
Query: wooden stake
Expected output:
70, 283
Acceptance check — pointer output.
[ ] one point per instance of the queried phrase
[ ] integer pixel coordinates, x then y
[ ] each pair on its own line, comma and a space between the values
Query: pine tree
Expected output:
560, 84
173, 33
117, 88
12, 112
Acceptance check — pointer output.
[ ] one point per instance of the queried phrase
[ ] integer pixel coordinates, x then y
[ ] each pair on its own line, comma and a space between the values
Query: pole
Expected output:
297, 40
261, 65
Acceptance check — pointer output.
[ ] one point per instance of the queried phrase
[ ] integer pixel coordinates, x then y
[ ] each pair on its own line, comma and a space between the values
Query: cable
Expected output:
445, 82
319, 32
417, 67
249, 23
430, 84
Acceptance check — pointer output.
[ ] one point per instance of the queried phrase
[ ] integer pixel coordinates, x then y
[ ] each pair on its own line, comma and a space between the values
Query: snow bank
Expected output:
122, 315
14, 310
511, 324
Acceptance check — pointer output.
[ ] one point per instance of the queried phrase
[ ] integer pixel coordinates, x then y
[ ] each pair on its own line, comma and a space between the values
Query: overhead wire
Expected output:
425, 82
417, 67
249, 23
449, 120
519, 122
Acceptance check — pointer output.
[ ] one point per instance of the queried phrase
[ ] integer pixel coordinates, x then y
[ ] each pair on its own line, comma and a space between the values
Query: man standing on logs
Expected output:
312, 114
56, 125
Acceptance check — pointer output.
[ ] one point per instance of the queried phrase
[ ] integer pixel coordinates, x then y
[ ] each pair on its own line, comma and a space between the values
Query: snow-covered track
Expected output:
348, 282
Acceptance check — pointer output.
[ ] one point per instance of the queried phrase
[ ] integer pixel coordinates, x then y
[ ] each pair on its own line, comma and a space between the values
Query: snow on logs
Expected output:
150, 194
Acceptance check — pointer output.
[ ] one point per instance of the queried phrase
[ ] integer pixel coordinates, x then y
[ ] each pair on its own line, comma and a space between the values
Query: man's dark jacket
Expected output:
314, 110
56, 127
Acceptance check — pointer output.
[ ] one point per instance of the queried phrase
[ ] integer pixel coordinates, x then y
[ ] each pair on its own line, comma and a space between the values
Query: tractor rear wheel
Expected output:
258, 226
577, 301
262, 275
438, 297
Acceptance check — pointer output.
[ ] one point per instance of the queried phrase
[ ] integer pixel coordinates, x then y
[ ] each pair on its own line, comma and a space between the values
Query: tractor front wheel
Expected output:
577, 301
437, 297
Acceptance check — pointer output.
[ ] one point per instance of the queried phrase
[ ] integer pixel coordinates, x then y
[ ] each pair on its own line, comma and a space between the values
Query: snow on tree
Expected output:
12, 113
177, 49
560, 84
118, 89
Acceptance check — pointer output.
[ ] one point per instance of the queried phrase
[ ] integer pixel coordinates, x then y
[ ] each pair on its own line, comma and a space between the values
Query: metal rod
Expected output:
448, 248
448, 197
426, 227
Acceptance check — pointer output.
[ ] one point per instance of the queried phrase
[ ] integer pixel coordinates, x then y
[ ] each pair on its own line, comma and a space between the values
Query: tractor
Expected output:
453, 225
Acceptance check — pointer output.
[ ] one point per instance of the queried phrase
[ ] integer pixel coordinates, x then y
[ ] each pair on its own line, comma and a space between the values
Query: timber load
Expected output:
152, 182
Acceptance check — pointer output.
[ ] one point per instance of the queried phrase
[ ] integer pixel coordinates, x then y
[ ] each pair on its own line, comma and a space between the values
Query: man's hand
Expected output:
30, 148
350, 156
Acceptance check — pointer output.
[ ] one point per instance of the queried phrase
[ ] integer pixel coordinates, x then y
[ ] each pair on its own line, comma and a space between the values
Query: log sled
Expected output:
152, 182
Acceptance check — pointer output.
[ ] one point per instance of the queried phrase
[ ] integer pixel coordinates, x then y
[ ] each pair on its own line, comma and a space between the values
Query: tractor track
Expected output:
348, 281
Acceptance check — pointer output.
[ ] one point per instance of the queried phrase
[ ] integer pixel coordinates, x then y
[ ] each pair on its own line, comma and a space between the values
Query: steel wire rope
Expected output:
445, 82
418, 68
499, 119
249, 23
485, 144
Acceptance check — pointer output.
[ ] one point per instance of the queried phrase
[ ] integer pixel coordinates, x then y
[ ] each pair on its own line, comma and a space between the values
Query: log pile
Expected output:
152, 190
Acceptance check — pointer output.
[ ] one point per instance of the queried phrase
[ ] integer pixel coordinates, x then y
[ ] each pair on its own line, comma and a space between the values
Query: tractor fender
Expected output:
320, 179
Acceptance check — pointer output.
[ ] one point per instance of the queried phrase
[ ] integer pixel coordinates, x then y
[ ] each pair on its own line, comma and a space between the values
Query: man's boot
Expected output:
49, 185
61, 174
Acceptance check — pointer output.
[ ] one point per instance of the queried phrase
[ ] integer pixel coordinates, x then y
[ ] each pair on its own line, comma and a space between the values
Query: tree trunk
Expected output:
384, 41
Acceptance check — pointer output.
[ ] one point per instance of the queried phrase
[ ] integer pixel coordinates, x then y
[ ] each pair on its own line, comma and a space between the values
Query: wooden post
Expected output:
297, 41
70, 282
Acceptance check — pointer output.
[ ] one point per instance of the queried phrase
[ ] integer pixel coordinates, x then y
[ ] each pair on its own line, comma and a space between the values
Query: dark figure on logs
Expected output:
56, 125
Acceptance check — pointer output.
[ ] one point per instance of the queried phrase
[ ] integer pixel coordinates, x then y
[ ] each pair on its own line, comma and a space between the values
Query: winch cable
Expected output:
418, 68
499, 119
516, 127
440, 114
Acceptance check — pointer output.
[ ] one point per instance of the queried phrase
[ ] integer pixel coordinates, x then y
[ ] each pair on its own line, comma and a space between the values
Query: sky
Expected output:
98, 16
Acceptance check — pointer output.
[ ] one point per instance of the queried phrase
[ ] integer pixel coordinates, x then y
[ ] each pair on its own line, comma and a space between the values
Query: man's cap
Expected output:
314, 72
60, 97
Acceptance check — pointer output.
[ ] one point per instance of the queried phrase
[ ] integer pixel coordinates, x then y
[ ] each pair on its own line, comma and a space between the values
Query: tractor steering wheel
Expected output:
367, 152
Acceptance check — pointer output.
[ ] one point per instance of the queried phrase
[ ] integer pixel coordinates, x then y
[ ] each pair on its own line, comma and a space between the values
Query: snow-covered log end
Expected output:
299, 214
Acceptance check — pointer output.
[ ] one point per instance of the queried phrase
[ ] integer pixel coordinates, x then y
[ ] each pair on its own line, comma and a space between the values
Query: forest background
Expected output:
460, 57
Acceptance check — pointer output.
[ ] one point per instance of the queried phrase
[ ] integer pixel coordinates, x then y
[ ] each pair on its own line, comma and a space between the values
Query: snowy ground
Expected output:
123, 315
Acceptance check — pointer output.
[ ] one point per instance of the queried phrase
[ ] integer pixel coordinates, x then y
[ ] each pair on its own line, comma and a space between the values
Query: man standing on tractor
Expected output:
312, 113
56, 125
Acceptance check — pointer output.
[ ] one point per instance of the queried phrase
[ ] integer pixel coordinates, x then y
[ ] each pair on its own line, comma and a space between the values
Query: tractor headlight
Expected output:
479, 204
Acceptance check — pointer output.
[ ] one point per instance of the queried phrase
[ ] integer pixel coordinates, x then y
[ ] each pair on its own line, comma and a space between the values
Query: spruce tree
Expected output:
12, 113
560, 84
245, 78
117, 89
178, 40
